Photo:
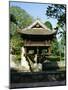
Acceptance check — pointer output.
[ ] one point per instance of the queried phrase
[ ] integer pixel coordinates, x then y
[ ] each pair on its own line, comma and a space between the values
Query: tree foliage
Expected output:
13, 29
16, 44
13, 18
48, 24
55, 43
58, 12
55, 47
19, 19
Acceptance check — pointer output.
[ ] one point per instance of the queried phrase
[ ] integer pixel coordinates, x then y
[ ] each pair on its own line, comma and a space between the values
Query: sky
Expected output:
36, 10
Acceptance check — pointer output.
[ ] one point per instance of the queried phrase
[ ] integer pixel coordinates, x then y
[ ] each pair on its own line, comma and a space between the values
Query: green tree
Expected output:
19, 19
55, 43
16, 43
55, 47
58, 11
13, 19
48, 24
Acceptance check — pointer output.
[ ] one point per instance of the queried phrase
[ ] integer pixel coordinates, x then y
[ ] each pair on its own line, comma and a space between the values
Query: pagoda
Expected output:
37, 40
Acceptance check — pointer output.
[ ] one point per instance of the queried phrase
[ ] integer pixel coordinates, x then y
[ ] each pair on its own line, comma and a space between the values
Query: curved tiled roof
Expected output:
31, 30
38, 32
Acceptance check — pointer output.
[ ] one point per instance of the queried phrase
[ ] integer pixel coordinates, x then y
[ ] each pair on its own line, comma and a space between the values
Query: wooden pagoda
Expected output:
37, 40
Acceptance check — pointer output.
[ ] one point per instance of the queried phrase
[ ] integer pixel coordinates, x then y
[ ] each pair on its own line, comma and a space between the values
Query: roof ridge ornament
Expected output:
38, 18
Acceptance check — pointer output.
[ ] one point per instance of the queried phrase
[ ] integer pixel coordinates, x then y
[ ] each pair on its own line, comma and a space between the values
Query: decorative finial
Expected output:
38, 18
